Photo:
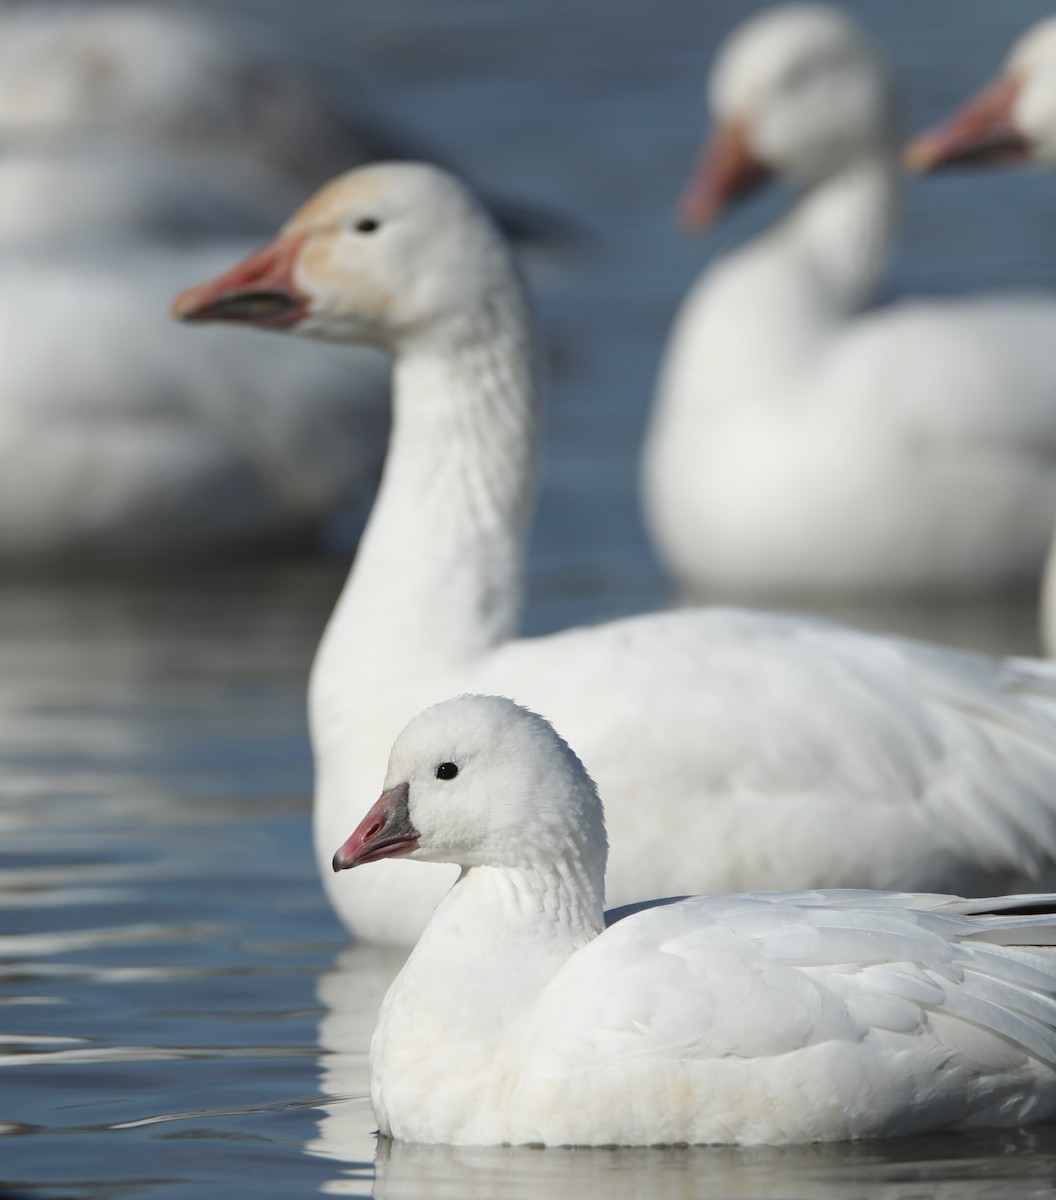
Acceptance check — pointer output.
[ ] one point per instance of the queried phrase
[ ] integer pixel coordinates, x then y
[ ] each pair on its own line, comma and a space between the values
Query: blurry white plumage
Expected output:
747, 1018
1011, 120
123, 443
736, 749
138, 148
803, 442
169, 89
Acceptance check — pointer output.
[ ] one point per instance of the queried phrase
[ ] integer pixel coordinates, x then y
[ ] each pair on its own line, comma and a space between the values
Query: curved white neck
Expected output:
840, 234
506, 929
561, 902
438, 572
761, 315
445, 1058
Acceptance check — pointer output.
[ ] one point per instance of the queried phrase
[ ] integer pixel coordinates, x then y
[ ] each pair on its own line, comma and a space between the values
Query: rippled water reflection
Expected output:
179, 1013
162, 931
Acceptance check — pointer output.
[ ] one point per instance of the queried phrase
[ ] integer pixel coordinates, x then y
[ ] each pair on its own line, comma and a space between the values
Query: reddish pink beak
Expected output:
385, 832
726, 171
259, 291
981, 131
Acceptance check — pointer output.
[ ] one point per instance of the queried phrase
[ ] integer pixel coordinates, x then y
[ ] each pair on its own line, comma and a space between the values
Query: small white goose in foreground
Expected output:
1011, 120
801, 445
736, 749
747, 1018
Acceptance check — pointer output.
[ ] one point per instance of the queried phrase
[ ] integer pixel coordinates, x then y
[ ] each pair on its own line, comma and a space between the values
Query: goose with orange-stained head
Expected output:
737, 749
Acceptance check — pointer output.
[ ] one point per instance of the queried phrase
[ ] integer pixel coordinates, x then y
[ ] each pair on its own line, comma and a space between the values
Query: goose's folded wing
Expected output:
797, 752
760, 976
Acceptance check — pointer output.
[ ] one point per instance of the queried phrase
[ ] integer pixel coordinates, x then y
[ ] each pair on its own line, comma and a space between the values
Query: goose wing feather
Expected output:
776, 995
924, 751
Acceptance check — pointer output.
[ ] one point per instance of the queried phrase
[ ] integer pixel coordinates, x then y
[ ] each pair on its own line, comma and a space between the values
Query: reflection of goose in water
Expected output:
937, 1167
927, 1168
350, 994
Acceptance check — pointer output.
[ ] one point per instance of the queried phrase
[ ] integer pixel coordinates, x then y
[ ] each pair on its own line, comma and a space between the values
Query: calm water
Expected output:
180, 1014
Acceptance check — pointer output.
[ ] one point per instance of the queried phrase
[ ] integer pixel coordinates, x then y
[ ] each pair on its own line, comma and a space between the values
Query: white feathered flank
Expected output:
736, 750
788, 1017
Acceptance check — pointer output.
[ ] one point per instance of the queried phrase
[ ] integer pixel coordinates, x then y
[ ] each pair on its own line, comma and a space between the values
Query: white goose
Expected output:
127, 445
748, 1018
111, 102
798, 443
121, 130
736, 749
121, 119
1011, 120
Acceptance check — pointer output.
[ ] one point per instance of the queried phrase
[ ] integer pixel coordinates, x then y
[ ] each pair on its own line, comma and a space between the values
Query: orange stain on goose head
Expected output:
336, 201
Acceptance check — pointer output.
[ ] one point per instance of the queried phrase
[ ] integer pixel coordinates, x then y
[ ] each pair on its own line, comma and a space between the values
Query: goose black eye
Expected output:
366, 225
446, 771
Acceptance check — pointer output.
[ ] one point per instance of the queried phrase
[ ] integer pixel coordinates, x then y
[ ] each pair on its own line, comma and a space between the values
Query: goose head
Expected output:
1012, 119
379, 255
795, 92
480, 781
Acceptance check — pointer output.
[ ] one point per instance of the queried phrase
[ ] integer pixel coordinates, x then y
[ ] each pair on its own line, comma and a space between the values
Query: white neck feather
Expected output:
841, 233
507, 929
505, 933
438, 571
562, 900
759, 318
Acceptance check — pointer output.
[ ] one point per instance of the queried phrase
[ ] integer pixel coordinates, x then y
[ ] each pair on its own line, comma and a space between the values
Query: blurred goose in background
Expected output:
138, 148
737, 749
1011, 120
771, 1018
150, 91
143, 119
801, 442
135, 144
123, 445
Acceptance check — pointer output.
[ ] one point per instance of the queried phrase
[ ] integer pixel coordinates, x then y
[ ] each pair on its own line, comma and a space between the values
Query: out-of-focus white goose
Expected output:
802, 442
122, 444
124, 119
1011, 120
767, 1018
736, 749
139, 147
159, 88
